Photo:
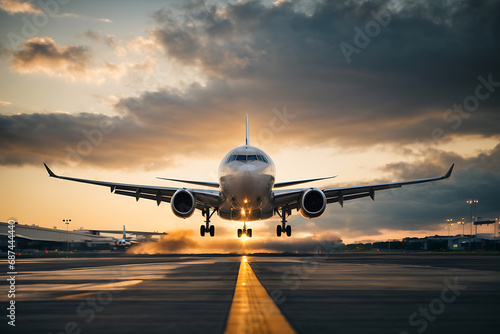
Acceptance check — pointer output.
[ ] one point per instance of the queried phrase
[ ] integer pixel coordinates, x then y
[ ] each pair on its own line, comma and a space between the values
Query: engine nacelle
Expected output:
183, 203
312, 203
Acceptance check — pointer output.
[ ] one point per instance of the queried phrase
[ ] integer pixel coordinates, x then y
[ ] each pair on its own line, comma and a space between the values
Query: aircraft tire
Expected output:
202, 230
278, 231
212, 230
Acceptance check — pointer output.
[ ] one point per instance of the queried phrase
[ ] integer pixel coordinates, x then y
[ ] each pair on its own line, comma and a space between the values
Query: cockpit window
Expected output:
245, 158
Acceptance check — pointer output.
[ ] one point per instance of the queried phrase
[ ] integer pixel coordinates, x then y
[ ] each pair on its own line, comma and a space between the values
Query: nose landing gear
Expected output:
284, 228
245, 231
207, 228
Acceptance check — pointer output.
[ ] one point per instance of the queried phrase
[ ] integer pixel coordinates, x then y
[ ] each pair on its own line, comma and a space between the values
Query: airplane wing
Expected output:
204, 198
290, 198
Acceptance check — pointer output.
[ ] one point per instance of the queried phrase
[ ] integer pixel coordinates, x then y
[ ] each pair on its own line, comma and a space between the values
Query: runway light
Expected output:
243, 283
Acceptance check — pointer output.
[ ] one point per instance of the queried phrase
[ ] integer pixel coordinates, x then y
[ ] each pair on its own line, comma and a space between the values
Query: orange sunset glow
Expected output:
133, 91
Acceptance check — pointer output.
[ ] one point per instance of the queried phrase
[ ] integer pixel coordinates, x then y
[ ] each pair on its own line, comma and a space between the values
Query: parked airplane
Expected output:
247, 191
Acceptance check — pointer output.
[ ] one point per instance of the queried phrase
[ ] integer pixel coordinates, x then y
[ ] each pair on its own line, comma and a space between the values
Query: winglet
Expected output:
247, 137
448, 174
51, 173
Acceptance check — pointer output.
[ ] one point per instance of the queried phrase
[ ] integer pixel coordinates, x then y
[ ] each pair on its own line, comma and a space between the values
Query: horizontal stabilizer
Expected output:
291, 183
200, 183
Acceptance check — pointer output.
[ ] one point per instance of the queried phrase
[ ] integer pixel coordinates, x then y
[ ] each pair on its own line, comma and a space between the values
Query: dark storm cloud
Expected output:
258, 57
398, 87
104, 141
34, 138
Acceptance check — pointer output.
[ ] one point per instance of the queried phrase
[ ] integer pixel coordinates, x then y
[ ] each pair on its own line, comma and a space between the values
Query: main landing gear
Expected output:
284, 228
245, 231
207, 228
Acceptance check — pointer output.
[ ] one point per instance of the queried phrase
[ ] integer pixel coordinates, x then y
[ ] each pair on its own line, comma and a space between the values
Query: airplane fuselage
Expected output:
246, 177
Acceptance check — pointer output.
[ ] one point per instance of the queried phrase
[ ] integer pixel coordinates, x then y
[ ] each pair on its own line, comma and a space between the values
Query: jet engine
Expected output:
183, 203
312, 203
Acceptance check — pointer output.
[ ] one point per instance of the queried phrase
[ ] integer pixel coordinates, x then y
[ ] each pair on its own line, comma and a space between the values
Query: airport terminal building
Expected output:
35, 238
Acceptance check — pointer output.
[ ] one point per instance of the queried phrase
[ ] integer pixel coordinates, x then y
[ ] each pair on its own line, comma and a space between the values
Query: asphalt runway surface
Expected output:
334, 293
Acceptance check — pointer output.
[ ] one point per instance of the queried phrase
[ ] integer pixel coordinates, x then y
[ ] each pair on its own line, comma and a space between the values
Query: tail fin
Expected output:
124, 233
248, 137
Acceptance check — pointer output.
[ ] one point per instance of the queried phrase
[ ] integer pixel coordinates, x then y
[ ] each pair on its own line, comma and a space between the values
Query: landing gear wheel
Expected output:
249, 233
288, 231
278, 230
202, 230
240, 232
212, 230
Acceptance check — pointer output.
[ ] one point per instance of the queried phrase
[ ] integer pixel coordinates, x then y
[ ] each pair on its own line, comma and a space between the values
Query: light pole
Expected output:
495, 231
472, 214
66, 221
462, 222
449, 222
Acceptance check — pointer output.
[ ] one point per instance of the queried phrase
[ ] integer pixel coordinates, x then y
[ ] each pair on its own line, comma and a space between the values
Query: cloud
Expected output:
396, 90
71, 62
44, 55
34, 138
421, 207
15, 6
257, 57
109, 40
82, 17
4, 103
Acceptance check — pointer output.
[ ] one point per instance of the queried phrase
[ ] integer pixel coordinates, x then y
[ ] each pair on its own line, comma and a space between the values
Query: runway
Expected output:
338, 293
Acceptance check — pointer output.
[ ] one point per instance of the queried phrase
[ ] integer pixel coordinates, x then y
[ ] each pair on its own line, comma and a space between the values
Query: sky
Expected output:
371, 91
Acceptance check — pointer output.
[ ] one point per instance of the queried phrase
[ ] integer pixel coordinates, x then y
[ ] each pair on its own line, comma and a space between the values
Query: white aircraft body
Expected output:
247, 191
127, 239
124, 241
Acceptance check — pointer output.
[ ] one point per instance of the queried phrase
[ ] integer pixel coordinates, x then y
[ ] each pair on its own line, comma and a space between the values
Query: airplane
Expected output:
247, 192
124, 241
127, 241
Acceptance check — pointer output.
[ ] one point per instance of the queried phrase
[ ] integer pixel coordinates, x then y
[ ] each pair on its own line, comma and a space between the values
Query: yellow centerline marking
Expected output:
253, 310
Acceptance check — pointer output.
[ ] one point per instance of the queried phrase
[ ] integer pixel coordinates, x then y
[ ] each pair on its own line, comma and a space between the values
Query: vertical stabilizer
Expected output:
248, 137
124, 233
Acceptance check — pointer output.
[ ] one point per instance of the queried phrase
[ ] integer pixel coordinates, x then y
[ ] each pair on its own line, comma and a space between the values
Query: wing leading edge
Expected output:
205, 198
333, 195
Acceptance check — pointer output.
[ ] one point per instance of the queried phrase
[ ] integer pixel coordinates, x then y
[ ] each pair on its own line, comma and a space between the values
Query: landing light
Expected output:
243, 212
245, 201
